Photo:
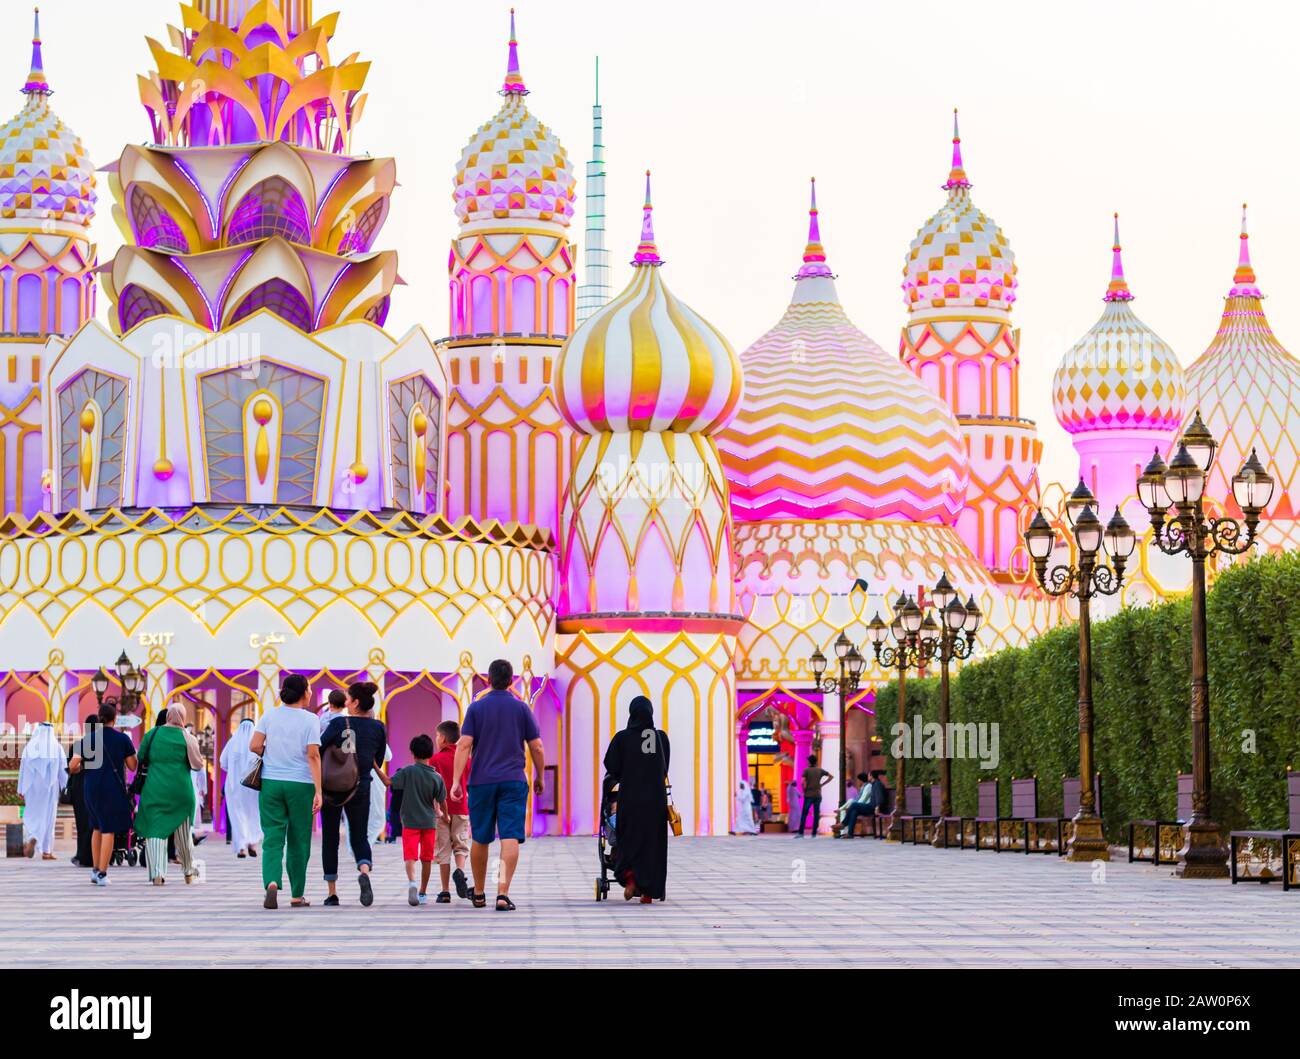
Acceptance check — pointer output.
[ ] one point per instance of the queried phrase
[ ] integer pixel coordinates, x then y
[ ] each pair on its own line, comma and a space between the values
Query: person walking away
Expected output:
42, 774
814, 779
424, 805
77, 793
744, 810
793, 802
112, 755
453, 832
242, 818
167, 802
497, 728
357, 733
637, 760
199, 777
377, 822
287, 738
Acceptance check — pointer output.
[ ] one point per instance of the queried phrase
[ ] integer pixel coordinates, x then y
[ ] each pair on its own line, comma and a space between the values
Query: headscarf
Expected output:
176, 716
43, 743
640, 714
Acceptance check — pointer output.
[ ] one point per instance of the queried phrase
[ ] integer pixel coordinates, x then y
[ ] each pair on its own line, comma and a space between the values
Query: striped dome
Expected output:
514, 167
45, 173
959, 256
1246, 386
1121, 375
831, 426
646, 361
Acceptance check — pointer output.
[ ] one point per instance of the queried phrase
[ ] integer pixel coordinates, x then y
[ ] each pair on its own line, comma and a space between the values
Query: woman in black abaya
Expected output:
637, 760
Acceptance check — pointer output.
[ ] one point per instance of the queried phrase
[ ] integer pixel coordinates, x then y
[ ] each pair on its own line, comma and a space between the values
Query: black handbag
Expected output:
339, 775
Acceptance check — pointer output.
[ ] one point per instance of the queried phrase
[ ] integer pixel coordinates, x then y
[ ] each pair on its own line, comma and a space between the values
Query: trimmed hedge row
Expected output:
1141, 678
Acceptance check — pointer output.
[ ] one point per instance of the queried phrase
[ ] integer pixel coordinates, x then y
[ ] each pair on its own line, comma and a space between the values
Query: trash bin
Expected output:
13, 840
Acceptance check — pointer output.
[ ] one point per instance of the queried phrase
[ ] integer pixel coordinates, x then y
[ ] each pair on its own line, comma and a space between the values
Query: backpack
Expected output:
339, 775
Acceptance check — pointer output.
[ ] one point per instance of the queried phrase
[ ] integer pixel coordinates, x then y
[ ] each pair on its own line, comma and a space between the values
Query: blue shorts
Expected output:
497, 809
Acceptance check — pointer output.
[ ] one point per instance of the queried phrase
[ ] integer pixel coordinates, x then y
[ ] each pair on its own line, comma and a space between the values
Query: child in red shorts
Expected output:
424, 802
453, 829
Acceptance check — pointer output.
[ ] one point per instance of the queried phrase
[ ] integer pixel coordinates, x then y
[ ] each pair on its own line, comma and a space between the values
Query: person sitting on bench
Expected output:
866, 803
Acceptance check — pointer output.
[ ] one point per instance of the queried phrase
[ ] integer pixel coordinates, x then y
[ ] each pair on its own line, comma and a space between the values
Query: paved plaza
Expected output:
759, 901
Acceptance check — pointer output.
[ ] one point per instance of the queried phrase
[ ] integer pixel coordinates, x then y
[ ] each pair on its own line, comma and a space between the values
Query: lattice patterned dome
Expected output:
45, 172
959, 256
832, 426
1247, 389
647, 361
1121, 374
514, 167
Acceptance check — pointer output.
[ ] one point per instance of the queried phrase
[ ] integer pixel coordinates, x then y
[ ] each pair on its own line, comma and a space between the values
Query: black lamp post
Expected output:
845, 682
909, 650
1181, 485
955, 640
1089, 578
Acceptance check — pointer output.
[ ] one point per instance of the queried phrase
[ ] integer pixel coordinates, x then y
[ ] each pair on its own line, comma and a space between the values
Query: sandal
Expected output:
504, 904
302, 902
443, 898
478, 900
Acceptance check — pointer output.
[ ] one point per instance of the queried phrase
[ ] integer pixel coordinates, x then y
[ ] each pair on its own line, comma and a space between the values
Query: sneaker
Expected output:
367, 894
424, 899
443, 898
462, 887
101, 878
332, 901
413, 895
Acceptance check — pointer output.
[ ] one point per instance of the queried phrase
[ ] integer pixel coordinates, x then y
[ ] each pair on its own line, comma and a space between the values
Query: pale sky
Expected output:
1172, 113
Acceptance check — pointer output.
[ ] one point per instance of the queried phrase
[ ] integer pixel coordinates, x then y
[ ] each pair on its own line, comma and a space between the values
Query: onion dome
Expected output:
959, 256
647, 361
514, 168
833, 427
1121, 375
1247, 389
45, 173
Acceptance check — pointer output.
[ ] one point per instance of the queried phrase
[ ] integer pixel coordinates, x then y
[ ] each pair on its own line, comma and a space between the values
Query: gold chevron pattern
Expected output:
831, 426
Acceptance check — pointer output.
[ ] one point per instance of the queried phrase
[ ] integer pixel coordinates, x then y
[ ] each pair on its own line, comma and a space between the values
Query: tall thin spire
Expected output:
594, 291
647, 253
1243, 280
956, 175
514, 82
1118, 290
36, 83
814, 254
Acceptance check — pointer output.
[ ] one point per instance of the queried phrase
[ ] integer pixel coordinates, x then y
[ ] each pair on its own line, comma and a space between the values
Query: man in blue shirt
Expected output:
496, 729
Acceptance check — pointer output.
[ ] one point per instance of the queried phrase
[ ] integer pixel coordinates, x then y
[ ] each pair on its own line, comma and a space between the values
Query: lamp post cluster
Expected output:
130, 679
1082, 581
919, 639
845, 682
1174, 498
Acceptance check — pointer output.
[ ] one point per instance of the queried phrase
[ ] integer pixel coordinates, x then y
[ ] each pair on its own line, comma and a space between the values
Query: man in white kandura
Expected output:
42, 773
241, 802
744, 810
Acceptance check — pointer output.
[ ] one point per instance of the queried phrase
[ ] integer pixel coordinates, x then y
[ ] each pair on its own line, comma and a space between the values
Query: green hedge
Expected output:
1141, 677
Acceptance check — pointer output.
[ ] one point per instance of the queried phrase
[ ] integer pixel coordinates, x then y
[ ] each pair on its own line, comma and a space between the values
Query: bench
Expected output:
1158, 841
923, 829
1013, 831
1245, 846
978, 831
911, 811
880, 819
1071, 795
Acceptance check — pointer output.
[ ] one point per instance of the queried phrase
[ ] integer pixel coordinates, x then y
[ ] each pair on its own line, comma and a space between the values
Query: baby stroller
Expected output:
128, 845
605, 841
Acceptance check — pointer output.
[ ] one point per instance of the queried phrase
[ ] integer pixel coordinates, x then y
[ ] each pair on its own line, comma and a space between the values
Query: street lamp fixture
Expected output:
1181, 486
845, 681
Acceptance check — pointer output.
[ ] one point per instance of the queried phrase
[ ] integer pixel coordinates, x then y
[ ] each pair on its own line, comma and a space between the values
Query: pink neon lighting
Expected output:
814, 254
1118, 290
647, 253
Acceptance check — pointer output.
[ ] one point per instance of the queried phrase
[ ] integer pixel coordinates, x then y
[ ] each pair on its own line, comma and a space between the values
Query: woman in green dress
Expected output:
167, 801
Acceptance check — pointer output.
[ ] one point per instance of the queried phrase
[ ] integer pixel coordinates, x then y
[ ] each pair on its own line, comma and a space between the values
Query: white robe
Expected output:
745, 822
199, 778
241, 802
378, 801
42, 773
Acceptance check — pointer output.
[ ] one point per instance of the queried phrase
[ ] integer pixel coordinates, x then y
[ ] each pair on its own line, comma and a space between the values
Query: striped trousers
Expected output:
155, 851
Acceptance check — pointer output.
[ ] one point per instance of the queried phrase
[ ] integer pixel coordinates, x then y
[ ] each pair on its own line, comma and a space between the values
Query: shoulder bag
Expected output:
674, 817
339, 775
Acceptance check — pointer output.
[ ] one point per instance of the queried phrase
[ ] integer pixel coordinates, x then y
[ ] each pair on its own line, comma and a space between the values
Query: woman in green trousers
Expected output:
167, 799
288, 739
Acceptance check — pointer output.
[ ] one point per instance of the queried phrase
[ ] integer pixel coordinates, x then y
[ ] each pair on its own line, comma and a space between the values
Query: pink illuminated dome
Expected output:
1121, 375
833, 427
646, 360
514, 167
959, 257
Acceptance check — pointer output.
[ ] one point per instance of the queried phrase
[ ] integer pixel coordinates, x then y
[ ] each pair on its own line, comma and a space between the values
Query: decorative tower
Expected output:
959, 284
1246, 387
47, 262
512, 306
645, 599
1119, 392
594, 291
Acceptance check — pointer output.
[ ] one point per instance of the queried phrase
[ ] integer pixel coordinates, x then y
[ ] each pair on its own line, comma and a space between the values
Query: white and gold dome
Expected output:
45, 173
959, 256
514, 167
1121, 375
832, 426
647, 361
